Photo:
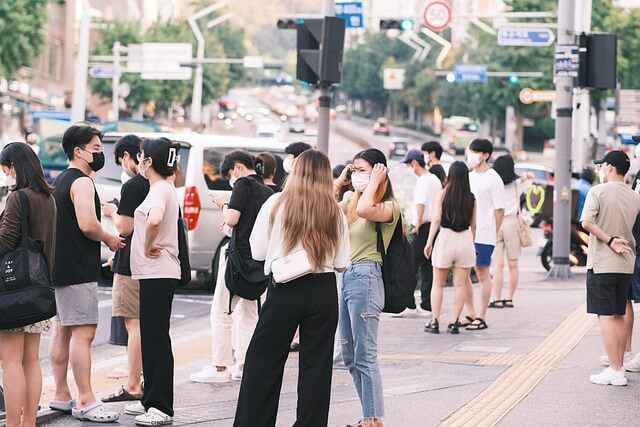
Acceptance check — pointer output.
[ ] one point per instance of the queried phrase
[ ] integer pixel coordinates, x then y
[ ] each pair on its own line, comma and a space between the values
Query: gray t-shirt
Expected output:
162, 195
614, 208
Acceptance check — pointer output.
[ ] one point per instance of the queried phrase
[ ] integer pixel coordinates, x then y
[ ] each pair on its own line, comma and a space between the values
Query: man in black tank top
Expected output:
76, 272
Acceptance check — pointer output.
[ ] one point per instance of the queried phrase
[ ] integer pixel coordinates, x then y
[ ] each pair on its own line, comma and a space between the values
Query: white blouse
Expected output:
268, 245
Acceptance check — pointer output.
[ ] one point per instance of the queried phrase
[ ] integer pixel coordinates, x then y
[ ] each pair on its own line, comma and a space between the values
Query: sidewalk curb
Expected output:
44, 415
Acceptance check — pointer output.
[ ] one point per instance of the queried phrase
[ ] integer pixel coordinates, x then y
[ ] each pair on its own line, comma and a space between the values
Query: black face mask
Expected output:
98, 161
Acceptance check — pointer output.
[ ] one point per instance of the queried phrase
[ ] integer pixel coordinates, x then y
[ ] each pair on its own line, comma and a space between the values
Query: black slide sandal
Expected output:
480, 325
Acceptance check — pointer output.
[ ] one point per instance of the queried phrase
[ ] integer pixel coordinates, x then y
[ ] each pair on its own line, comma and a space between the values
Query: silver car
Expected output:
200, 159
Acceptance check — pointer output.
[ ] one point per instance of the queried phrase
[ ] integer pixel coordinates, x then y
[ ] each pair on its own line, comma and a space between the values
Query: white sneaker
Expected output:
408, 312
604, 359
210, 374
633, 364
154, 417
609, 377
135, 408
236, 373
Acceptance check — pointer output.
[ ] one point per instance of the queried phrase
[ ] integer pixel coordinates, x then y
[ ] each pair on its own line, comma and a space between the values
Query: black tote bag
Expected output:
26, 295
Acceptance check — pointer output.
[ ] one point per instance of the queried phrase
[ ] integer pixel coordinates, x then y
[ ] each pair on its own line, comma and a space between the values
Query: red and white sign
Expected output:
437, 15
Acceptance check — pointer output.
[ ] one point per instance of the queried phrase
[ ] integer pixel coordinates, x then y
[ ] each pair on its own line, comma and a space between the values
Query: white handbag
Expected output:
291, 267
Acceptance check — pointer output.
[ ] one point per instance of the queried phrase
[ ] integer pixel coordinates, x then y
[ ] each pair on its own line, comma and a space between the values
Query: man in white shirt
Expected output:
488, 189
425, 194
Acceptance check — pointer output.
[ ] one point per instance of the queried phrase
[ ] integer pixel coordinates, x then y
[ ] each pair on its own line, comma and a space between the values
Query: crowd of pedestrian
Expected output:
302, 268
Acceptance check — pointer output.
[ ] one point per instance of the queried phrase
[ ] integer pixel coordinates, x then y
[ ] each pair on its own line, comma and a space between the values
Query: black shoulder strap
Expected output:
25, 213
380, 240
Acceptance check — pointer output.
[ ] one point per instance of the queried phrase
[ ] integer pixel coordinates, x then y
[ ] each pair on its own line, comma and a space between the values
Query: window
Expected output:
212, 158
55, 53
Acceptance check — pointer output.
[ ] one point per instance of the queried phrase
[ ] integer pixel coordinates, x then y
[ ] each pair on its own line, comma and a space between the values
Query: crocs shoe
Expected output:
62, 405
95, 413
136, 408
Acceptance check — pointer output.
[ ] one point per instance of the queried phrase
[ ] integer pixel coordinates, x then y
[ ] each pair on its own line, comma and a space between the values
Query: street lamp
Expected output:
196, 99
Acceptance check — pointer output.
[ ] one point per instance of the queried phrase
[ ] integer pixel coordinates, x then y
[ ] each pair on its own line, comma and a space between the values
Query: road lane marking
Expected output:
511, 387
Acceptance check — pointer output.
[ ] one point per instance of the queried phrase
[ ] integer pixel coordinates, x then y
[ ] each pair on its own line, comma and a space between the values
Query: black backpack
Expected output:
398, 270
245, 277
26, 295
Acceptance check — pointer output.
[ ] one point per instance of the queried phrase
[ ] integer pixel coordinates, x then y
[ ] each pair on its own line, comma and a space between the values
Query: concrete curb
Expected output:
44, 415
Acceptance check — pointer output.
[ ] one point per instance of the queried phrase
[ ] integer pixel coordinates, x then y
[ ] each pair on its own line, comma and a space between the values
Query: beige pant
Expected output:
508, 241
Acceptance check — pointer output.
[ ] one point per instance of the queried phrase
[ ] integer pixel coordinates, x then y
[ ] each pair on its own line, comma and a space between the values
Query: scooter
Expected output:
578, 251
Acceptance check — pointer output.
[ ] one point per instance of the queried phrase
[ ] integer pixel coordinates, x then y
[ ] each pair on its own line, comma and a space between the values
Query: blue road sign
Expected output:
519, 36
470, 73
103, 72
350, 12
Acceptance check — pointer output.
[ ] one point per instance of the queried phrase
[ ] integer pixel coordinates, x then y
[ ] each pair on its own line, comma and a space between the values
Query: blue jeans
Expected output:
360, 307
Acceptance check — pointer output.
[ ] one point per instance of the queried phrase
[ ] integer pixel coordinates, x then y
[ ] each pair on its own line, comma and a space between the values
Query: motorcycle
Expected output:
579, 248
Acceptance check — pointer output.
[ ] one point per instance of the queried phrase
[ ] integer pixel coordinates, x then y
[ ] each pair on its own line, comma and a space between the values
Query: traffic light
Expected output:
289, 23
598, 61
320, 47
396, 24
514, 79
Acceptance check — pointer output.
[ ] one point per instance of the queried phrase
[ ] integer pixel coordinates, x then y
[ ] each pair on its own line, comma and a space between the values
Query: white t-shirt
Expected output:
426, 193
512, 193
269, 245
162, 195
488, 189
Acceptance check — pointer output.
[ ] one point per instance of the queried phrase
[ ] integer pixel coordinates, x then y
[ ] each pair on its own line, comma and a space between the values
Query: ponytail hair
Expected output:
163, 154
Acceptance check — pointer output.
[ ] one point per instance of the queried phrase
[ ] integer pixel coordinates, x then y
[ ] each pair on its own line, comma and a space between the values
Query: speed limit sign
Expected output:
437, 15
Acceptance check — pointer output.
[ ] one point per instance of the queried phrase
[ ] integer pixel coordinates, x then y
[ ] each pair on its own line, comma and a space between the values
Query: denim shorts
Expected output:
483, 254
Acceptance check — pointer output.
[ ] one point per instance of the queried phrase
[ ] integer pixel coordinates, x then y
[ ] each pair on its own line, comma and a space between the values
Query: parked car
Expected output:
398, 149
296, 125
381, 127
200, 158
310, 136
267, 130
542, 174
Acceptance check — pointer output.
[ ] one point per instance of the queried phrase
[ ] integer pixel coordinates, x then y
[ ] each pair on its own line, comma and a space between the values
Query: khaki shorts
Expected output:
508, 239
126, 297
454, 249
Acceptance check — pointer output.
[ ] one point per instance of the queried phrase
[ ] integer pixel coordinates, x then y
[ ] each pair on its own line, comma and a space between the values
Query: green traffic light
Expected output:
513, 79
406, 25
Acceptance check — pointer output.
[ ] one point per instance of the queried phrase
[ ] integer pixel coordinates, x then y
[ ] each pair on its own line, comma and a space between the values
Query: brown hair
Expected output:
266, 165
310, 214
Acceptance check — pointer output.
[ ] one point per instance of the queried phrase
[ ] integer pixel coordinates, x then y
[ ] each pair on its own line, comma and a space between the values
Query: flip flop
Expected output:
62, 405
121, 395
95, 413
467, 323
496, 304
507, 303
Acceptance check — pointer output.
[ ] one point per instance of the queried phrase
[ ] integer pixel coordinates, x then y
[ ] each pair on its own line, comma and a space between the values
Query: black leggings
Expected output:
312, 303
156, 297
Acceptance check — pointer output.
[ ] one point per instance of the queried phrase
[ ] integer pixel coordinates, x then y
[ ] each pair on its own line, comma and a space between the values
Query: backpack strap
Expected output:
380, 241
25, 213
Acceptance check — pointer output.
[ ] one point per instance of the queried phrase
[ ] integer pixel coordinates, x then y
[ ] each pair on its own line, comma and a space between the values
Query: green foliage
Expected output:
21, 40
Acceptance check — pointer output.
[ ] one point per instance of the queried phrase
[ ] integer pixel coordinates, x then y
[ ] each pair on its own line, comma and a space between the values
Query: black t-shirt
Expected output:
438, 171
247, 197
275, 187
132, 194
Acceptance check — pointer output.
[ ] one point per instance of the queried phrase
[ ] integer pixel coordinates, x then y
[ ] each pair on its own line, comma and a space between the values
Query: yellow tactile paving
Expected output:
490, 406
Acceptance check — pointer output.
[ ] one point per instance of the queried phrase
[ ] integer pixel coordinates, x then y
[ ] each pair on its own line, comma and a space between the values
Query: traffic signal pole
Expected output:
562, 183
324, 109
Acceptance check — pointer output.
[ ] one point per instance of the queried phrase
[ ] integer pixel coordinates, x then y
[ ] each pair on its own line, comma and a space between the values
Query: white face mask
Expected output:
232, 181
601, 175
287, 164
126, 169
360, 181
143, 170
427, 160
473, 160
10, 181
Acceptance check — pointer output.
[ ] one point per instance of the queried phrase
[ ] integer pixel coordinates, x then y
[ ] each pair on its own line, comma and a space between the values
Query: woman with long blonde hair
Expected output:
370, 208
302, 236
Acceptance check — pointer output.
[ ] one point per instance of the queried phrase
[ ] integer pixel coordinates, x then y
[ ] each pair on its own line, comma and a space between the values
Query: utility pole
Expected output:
115, 83
562, 184
82, 63
581, 96
324, 110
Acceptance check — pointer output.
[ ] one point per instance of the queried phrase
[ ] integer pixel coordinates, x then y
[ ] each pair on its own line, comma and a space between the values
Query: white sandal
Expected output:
95, 413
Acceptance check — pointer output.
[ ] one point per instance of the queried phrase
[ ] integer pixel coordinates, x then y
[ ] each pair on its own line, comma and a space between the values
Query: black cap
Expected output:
617, 159
413, 155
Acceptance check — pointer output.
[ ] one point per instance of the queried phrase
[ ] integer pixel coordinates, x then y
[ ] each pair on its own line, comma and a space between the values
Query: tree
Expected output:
21, 39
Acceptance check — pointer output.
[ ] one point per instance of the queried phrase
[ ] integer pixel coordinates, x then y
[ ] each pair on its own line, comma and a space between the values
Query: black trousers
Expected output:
312, 303
424, 266
156, 298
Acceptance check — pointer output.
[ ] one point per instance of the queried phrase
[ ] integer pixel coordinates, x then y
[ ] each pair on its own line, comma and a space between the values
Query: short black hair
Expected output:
163, 154
238, 156
433, 146
297, 148
481, 145
130, 144
337, 170
79, 135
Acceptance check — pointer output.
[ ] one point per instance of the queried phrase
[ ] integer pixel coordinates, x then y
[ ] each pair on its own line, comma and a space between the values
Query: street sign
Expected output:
160, 61
394, 78
567, 60
252, 62
518, 36
529, 96
103, 72
470, 73
350, 12
437, 15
